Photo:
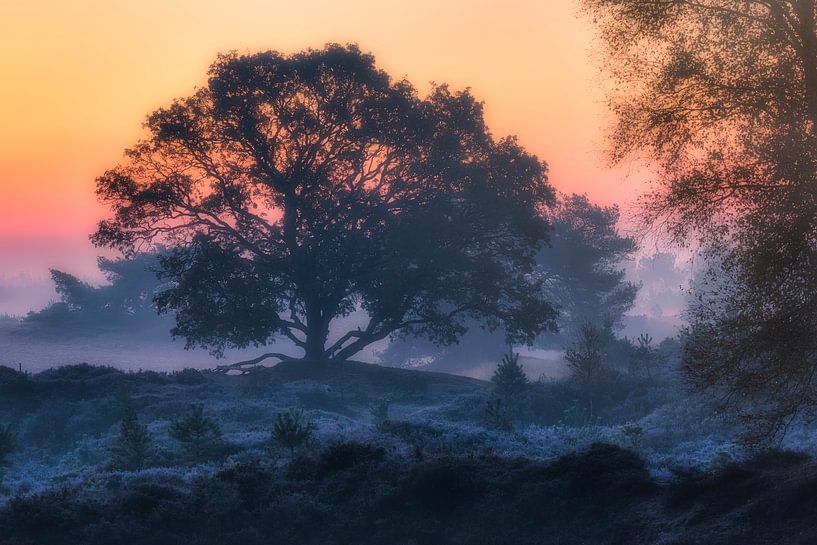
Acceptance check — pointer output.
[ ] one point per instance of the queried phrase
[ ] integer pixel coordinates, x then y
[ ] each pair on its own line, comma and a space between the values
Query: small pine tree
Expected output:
7, 446
509, 377
644, 355
131, 449
291, 429
199, 435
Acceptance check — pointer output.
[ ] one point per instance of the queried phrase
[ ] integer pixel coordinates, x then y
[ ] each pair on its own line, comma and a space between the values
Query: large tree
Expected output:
722, 95
296, 189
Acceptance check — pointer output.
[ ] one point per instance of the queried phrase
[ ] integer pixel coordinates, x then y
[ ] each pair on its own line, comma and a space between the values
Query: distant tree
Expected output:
199, 435
296, 189
7, 445
662, 284
131, 449
582, 269
585, 359
292, 429
509, 377
722, 97
128, 298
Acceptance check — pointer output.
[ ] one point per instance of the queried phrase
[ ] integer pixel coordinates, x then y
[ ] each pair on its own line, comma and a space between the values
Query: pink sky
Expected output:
79, 77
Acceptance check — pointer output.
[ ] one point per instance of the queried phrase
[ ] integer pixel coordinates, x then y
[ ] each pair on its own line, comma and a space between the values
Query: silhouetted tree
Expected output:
722, 95
128, 298
509, 377
297, 189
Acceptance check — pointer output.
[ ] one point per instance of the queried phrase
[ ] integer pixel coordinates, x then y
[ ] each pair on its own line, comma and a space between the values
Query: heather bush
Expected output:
340, 456
380, 411
495, 417
7, 446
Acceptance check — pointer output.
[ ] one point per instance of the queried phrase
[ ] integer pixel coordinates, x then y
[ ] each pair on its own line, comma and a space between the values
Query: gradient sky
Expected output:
79, 77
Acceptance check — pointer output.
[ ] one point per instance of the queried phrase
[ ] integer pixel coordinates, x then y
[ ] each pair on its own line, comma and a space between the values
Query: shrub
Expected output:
291, 429
495, 418
509, 377
189, 377
584, 358
644, 356
7, 446
631, 436
16, 389
380, 411
133, 444
340, 456
199, 435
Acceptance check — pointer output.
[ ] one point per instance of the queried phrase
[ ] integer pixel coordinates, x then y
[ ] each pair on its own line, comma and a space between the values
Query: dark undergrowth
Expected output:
357, 493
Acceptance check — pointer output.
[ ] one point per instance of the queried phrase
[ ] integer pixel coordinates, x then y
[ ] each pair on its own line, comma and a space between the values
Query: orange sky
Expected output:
79, 77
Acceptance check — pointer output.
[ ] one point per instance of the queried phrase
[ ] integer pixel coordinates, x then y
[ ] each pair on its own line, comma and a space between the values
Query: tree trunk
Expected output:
317, 331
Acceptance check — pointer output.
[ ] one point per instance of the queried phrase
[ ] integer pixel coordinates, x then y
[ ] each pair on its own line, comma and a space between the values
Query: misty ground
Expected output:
653, 466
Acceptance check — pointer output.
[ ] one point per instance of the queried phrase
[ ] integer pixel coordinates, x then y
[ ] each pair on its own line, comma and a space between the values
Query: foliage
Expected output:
584, 358
580, 270
132, 447
292, 429
509, 377
644, 356
313, 185
380, 411
127, 299
341, 456
189, 377
632, 436
495, 417
199, 435
582, 266
722, 96
7, 445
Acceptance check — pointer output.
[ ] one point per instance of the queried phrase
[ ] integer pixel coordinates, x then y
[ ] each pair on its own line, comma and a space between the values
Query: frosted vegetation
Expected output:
68, 422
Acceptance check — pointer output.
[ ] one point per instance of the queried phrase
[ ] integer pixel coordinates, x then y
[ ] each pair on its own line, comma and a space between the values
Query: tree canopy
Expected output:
296, 189
582, 268
722, 97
